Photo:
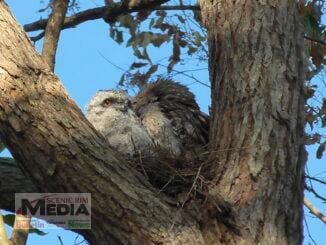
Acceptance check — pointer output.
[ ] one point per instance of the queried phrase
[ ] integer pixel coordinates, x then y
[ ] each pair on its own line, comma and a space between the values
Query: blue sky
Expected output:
83, 71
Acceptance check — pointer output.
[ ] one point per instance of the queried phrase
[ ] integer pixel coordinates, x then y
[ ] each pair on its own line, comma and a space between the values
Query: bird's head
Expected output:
109, 99
148, 95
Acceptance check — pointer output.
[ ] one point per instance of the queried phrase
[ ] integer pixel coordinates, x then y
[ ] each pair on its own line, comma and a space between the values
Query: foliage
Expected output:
146, 30
312, 12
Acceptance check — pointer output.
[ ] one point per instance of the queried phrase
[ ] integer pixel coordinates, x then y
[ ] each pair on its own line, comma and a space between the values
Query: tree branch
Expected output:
316, 179
20, 230
59, 149
52, 31
315, 40
314, 210
38, 37
312, 190
100, 12
12, 180
3, 235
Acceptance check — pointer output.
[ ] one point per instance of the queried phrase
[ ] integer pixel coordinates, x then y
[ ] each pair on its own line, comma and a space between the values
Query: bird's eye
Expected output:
106, 102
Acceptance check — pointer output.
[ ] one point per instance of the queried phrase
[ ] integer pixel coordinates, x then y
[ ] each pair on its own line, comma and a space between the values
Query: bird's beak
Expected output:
126, 106
123, 108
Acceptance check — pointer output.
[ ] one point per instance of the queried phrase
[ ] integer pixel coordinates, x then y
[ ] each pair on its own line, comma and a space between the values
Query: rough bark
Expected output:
61, 152
52, 31
12, 180
257, 68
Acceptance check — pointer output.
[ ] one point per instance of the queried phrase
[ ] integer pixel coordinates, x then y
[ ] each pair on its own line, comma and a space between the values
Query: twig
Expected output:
60, 240
167, 183
142, 165
186, 75
315, 40
38, 37
312, 190
314, 210
188, 194
111, 63
316, 179
193, 185
308, 231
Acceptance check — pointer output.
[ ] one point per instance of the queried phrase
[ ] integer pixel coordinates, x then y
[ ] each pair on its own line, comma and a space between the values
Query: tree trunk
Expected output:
257, 69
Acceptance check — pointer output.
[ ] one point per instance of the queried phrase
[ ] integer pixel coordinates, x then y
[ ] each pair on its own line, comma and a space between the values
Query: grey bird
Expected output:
110, 112
171, 115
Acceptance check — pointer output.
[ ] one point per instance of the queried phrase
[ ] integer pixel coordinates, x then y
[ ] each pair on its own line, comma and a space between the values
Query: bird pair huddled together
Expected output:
163, 116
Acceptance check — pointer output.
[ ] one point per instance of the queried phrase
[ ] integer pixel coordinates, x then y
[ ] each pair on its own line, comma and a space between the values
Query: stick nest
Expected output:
188, 173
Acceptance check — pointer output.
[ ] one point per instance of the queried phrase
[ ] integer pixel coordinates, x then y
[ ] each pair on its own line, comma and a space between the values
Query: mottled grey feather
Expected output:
172, 116
111, 114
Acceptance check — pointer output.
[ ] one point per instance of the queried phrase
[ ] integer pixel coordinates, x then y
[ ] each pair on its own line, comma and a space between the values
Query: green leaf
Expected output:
131, 42
321, 149
145, 55
137, 65
310, 92
119, 37
310, 118
145, 39
158, 39
312, 139
151, 23
175, 57
37, 232
198, 39
181, 19
112, 33
323, 108
137, 53
122, 80
311, 12
158, 23
323, 121
151, 70
2, 147
191, 50
126, 20
9, 219
161, 13
129, 22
